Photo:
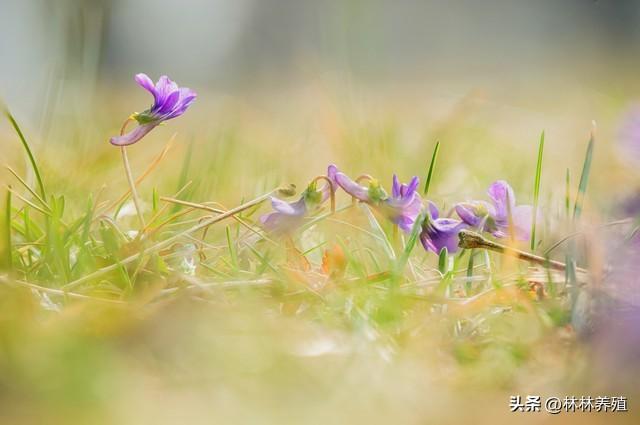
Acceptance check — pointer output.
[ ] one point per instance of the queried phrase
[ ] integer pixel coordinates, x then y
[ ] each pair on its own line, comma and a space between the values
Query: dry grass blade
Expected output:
52, 291
222, 210
26, 186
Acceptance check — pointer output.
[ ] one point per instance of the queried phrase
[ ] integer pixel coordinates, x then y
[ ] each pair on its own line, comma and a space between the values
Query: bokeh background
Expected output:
331, 80
285, 88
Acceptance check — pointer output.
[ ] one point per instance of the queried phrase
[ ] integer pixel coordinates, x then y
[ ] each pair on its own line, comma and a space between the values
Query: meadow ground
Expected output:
344, 319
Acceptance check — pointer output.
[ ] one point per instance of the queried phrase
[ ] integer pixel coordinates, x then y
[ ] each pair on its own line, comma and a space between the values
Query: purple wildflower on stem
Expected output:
438, 233
501, 217
169, 101
286, 216
289, 215
405, 203
402, 207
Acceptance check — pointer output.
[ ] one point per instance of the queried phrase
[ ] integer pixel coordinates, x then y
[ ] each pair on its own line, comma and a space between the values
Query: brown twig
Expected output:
469, 240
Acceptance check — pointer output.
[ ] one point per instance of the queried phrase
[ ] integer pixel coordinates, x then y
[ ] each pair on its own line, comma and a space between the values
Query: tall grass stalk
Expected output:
536, 192
432, 166
29, 152
9, 260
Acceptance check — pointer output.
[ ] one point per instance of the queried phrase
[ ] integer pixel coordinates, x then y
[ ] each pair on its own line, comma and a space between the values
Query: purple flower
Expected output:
405, 204
438, 233
402, 207
497, 217
629, 134
289, 215
169, 101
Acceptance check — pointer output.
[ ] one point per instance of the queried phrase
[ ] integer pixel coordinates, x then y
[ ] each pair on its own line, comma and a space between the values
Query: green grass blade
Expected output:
570, 272
443, 261
155, 199
8, 230
470, 265
584, 179
567, 194
26, 186
32, 159
432, 167
382, 236
536, 192
411, 243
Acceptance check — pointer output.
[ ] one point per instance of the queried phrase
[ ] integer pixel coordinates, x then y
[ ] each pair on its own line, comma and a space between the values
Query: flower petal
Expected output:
522, 216
445, 234
475, 213
413, 185
403, 214
287, 216
352, 188
146, 83
331, 173
433, 210
468, 213
503, 198
169, 103
428, 244
395, 187
164, 87
327, 189
276, 222
133, 136
293, 208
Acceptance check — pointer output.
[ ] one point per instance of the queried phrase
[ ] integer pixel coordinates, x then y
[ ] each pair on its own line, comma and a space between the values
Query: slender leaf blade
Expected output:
27, 148
432, 166
536, 191
584, 179
9, 260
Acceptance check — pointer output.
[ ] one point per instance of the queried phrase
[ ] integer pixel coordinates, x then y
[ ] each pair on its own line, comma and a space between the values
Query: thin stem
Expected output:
332, 192
130, 179
132, 186
142, 176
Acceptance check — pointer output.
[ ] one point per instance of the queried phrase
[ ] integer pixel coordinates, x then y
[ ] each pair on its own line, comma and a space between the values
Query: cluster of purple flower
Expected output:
501, 217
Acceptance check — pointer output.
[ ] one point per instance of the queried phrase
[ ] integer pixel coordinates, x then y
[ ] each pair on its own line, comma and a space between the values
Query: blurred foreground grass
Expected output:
232, 327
